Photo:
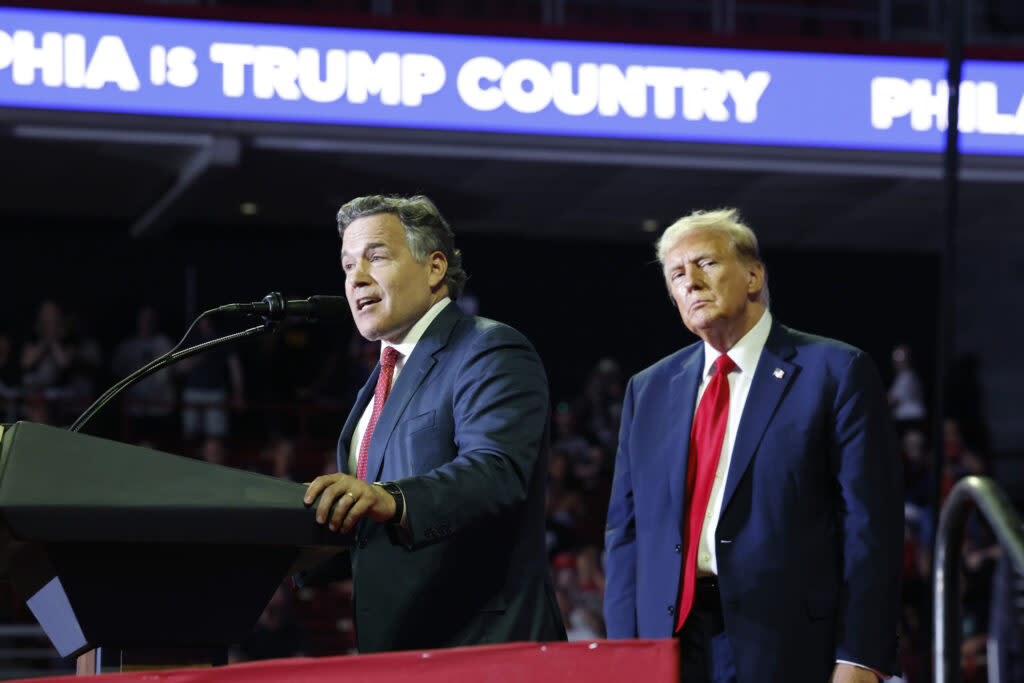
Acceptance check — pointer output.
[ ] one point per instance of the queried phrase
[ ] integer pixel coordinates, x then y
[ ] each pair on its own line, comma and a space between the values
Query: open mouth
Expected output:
365, 302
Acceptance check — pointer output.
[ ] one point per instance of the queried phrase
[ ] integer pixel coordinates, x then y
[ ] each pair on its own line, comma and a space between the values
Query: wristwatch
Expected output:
396, 493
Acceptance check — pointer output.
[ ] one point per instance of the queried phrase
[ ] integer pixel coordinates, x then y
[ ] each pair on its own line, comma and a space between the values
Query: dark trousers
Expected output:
706, 652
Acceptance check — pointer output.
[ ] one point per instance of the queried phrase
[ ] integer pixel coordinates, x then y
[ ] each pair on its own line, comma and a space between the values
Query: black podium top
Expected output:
123, 546
57, 485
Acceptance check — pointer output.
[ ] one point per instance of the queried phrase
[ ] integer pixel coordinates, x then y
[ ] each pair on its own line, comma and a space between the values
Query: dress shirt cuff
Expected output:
878, 673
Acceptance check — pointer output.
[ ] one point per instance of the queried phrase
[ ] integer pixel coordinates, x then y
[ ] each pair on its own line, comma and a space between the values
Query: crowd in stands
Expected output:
988, 621
275, 406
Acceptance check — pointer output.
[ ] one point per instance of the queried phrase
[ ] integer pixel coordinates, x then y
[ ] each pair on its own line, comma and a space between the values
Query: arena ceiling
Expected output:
146, 177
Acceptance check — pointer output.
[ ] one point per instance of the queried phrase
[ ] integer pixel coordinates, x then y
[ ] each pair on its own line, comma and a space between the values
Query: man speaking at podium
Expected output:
442, 461
756, 510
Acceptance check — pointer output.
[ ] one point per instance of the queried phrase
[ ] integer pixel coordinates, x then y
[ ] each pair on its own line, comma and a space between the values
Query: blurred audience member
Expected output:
46, 357
275, 367
338, 377
906, 395
281, 457
86, 367
209, 376
1006, 623
560, 529
981, 550
959, 461
151, 401
37, 409
213, 452
565, 516
915, 466
966, 403
10, 380
581, 609
566, 436
330, 464
277, 633
589, 572
601, 402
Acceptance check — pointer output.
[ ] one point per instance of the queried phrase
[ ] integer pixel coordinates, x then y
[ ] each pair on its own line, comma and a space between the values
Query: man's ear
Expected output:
438, 269
755, 279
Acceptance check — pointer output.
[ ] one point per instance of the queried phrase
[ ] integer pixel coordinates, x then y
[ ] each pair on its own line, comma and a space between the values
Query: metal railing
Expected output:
994, 504
27, 653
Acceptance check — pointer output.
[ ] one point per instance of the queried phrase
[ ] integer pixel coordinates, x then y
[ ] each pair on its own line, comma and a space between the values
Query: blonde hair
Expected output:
725, 222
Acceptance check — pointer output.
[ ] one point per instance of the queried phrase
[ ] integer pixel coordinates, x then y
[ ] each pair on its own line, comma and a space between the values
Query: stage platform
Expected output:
599, 661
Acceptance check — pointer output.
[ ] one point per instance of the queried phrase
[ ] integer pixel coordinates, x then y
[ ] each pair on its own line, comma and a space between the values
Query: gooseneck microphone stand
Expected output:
276, 311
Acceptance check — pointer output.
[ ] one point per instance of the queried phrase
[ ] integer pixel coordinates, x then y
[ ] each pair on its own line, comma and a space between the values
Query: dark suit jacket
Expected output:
464, 433
809, 541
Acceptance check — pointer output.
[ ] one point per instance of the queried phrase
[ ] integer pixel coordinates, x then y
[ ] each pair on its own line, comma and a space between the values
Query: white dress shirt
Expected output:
405, 348
745, 354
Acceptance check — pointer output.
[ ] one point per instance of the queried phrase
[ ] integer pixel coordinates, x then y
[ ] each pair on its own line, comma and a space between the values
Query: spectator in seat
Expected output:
213, 380
906, 394
46, 357
277, 633
151, 401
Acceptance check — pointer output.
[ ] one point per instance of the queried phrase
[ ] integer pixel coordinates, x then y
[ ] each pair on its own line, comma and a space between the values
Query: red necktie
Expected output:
380, 394
705, 447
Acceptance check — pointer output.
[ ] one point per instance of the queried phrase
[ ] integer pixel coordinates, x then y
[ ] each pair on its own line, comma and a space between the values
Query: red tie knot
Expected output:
724, 364
390, 357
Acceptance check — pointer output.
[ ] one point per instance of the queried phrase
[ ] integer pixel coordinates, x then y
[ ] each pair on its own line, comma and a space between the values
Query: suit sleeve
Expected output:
869, 473
620, 538
500, 405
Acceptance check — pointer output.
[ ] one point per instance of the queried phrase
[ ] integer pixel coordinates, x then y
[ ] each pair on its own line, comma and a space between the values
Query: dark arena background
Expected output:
120, 214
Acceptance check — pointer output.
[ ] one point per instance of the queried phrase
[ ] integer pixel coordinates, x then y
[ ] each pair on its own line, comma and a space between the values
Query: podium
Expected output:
123, 547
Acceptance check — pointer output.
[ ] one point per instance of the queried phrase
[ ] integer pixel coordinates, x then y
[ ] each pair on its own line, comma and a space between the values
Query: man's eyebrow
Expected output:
676, 263
366, 248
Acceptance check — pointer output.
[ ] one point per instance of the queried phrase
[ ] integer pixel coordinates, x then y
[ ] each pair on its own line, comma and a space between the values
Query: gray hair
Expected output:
725, 222
425, 229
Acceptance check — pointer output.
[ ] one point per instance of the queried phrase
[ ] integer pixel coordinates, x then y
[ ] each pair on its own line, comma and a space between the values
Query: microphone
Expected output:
274, 307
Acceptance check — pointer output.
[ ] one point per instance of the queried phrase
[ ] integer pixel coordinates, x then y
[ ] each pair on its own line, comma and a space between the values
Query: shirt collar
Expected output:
416, 331
746, 352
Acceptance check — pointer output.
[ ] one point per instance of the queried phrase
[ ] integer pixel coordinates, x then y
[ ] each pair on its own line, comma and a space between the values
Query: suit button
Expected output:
679, 547
671, 609
361, 542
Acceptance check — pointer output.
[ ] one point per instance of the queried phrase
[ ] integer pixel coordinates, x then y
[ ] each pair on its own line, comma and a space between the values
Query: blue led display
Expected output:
232, 70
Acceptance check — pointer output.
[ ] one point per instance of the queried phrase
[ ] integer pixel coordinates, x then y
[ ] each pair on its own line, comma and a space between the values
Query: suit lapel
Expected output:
415, 370
364, 396
682, 397
766, 391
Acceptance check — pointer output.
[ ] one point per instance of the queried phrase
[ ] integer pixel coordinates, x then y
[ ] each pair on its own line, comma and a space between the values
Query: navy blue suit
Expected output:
464, 433
809, 541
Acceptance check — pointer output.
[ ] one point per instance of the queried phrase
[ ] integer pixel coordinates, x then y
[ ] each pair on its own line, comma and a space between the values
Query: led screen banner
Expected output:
304, 74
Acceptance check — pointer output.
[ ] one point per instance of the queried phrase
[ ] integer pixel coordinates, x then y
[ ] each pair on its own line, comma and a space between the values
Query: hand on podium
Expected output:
344, 500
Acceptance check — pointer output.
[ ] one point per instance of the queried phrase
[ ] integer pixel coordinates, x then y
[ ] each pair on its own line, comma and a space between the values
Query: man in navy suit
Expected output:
795, 556
442, 461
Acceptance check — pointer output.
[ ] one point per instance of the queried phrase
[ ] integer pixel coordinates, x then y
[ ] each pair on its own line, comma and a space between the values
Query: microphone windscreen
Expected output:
329, 307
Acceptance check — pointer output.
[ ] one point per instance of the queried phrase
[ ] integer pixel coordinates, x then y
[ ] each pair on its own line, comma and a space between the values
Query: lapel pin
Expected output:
779, 373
